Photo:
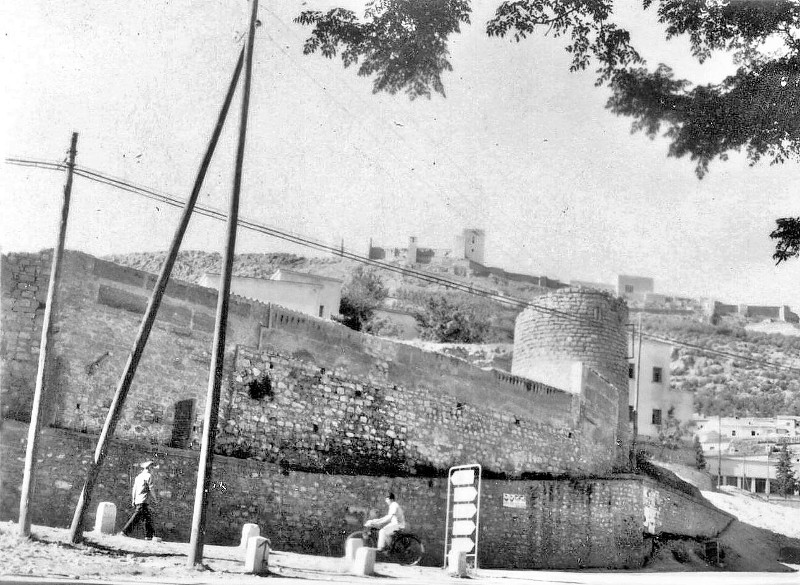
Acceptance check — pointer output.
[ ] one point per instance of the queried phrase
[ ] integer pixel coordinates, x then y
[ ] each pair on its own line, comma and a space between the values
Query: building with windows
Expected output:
716, 433
750, 465
649, 392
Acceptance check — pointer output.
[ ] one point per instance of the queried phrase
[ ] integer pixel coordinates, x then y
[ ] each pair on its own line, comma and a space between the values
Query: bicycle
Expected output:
406, 548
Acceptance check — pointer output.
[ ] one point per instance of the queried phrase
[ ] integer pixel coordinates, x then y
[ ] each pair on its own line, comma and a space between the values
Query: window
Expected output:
656, 416
657, 375
628, 288
597, 313
631, 371
321, 310
631, 413
752, 433
733, 433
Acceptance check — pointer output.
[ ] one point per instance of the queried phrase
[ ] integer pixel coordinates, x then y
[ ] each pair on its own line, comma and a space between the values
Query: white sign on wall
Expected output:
514, 501
463, 511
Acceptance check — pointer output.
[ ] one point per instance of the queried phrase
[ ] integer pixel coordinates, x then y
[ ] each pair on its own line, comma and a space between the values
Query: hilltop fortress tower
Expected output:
576, 326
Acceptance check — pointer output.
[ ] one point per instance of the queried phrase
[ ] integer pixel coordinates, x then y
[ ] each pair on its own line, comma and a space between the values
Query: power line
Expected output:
306, 241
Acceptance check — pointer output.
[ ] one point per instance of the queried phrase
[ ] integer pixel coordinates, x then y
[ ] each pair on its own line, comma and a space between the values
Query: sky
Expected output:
520, 147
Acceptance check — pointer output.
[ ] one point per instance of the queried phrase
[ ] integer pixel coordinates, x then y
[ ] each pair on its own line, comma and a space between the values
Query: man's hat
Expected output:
146, 464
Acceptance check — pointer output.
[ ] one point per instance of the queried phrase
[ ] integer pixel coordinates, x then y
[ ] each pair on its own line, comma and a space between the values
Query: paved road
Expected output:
427, 576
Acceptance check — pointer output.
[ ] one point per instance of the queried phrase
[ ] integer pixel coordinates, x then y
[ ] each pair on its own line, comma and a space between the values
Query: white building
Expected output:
309, 293
749, 467
649, 379
716, 434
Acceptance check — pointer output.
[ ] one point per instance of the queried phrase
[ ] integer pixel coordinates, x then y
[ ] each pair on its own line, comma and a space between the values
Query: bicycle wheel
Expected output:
408, 549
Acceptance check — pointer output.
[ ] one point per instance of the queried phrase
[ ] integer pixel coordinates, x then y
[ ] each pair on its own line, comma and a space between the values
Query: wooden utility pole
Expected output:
218, 351
29, 474
76, 528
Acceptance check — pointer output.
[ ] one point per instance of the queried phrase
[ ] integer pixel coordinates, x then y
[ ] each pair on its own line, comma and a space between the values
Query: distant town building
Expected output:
751, 465
716, 433
308, 293
650, 379
610, 288
634, 286
470, 245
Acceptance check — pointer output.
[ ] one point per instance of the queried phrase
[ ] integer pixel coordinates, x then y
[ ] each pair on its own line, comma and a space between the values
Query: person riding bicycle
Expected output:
394, 520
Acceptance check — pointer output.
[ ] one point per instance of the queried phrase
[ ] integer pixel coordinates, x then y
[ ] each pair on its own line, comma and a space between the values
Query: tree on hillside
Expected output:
453, 318
671, 432
361, 295
784, 474
403, 44
699, 457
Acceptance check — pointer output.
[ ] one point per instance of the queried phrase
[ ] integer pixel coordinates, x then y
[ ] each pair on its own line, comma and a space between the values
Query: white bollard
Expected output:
256, 556
248, 532
106, 518
457, 563
364, 561
351, 546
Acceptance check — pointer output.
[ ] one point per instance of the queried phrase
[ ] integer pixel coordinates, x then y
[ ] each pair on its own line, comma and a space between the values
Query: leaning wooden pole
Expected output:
126, 380
29, 474
218, 350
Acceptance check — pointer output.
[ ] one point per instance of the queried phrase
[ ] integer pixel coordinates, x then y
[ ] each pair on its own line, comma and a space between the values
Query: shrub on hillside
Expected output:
453, 318
361, 295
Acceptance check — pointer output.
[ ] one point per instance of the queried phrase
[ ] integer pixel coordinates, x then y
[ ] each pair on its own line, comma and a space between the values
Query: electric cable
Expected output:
212, 213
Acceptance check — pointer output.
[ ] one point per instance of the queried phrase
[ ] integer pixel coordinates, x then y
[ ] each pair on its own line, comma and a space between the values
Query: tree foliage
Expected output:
699, 457
453, 318
361, 295
671, 432
403, 44
787, 239
784, 473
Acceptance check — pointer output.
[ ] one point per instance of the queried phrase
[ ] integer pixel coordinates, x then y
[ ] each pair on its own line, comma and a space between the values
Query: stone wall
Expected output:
23, 281
582, 325
669, 511
100, 305
304, 414
98, 313
563, 524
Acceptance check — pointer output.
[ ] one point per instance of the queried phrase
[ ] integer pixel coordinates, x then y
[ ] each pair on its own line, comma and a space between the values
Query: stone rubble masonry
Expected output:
348, 402
451, 411
592, 522
320, 419
582, 325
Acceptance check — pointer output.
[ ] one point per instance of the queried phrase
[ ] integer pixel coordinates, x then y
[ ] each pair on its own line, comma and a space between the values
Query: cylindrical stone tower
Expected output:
577, 325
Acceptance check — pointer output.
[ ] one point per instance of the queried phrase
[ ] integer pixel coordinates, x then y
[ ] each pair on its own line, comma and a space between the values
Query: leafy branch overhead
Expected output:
402, 44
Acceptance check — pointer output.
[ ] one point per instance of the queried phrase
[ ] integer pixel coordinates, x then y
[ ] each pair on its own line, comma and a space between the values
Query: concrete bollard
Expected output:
256, 556
351, 546
106, 518
457, 563
248, 532
364, 561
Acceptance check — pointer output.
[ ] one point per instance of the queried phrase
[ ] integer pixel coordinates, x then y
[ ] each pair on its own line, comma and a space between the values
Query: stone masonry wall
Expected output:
100, 305
584, 325
24, 286
307, 415
562, 524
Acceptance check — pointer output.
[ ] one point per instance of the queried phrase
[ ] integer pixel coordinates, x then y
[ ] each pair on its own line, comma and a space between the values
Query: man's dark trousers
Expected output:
142, 512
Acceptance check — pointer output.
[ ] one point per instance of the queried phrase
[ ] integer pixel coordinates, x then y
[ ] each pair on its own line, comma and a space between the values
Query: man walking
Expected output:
142, 495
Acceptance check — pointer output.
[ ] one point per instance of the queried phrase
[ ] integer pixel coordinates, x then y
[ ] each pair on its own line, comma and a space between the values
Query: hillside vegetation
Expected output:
728, 385
722, 384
